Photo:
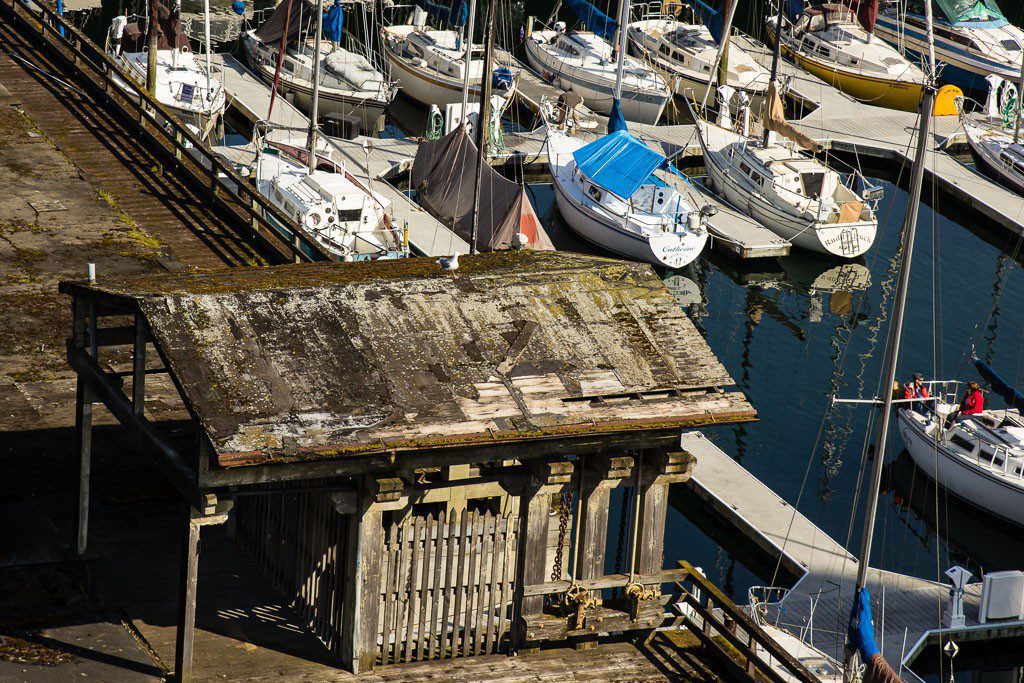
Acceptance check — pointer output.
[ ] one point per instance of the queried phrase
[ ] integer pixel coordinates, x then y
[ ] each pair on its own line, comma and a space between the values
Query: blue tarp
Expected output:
595, 20
1013, 398
334, 22
793, 9
619, 163
454, 13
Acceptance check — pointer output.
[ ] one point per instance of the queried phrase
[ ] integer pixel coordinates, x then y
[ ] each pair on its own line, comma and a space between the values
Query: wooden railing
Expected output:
712, 617
159, 126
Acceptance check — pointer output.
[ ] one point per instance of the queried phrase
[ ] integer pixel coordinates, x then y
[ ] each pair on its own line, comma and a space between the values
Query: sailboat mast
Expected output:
896, 331
623, 40
209, 69
776, 53
152, 43
1020, 94
314, 108
469, 52
483, 124
723, 49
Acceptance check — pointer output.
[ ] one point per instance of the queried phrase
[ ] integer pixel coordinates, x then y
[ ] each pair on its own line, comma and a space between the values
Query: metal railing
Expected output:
722, 626
159, 126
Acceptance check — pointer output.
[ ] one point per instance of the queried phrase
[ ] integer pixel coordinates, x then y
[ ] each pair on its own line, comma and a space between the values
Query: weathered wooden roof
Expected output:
319, 361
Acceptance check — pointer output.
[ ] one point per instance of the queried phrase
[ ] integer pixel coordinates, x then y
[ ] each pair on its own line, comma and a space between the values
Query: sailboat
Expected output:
431, 64
582, 62
347, 217
497, 214
349, 83
780, 184
979, 460
996, 152
610, 194
685, 53
973, 39
830, 41
183, 84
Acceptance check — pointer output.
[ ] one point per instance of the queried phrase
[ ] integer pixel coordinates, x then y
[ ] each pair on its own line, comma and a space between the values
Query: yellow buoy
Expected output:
945, 101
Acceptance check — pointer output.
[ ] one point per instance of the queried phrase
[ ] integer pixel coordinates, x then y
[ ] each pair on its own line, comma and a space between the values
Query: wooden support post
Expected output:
83, 333
600, 476
363, 568
188, 578
534, 517
139, 365
653, 501
83, 449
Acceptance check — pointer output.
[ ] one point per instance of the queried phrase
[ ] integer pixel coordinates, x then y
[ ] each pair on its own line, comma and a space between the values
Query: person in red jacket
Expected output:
917, 389
973, 403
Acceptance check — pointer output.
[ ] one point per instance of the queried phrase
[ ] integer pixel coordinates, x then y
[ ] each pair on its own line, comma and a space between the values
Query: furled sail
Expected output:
593, 18
454, 14
334, 23
444, 174
1013, 398
170, 35
867, 13
775, 119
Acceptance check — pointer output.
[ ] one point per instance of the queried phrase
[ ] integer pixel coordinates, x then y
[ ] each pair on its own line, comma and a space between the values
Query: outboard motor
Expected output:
744, 113
992, 101
116, 33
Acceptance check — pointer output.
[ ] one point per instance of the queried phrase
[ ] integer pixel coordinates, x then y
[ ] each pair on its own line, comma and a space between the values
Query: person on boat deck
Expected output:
917, 389
973, 403
861, 635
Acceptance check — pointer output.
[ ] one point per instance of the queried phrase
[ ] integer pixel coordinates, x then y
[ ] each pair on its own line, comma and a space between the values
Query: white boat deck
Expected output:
908, 608
251, 97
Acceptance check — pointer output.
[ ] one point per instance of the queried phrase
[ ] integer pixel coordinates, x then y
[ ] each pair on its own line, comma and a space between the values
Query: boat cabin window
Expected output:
348, 215
744, 168
594, 192
812, 183
1010, 44
288, 65
962, 442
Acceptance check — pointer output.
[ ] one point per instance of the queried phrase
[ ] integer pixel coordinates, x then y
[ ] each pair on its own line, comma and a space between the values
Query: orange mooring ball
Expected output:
945, 101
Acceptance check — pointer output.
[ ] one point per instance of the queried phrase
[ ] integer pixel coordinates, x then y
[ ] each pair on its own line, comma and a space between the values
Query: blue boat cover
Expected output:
970, 11
594, 19
455, 13
1013, 398
619, 163
709, 16
334, 22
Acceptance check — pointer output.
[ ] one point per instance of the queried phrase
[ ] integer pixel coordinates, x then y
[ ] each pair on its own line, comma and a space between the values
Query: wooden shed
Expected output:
328, 401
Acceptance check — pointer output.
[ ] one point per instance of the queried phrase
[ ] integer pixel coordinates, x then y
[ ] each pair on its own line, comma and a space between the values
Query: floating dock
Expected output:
909, 609
365, 156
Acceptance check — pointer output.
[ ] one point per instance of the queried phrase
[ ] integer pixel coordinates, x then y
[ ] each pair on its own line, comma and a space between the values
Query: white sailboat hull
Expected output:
641, 106
617, 234
972, 482
846, 240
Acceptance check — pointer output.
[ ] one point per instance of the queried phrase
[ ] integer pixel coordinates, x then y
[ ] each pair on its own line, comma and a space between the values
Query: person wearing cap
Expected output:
972, 404
916, 389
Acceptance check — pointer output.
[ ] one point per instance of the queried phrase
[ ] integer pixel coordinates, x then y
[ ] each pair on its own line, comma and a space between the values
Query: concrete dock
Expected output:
908, 611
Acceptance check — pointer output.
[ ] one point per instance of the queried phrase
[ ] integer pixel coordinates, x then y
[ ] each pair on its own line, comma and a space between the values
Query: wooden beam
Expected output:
593, 524
360, 611
607, 581
139, 365
188, 577
534, 513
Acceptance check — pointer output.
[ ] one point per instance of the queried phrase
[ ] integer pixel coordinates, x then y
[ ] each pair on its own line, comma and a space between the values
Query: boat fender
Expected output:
992, 101
946, 101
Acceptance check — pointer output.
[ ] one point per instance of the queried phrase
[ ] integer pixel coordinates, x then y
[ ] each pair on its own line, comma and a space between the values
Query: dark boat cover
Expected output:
273, 28
171, 36
444, 175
